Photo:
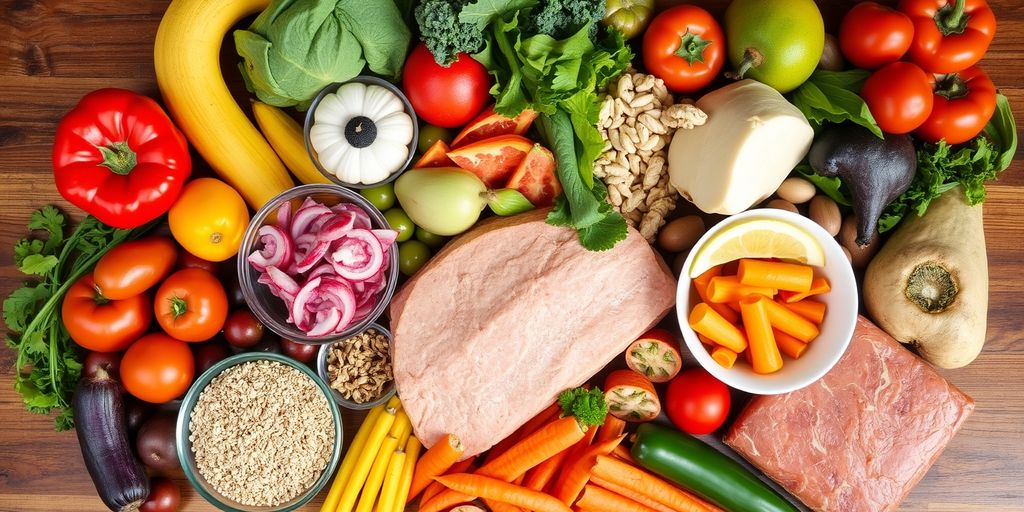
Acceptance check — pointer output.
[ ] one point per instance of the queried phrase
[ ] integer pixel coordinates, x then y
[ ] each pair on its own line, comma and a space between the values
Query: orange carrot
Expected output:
499, 506
462, 466
642, 482
724, 289
435, 461
818, 286
769, 274
596, 499
705, 340
497, 490
734, 305
789, 322
763, 349
623, 454
809, 309
571, 483
789, 345
635, 496
708, 322
613, 427
723, 356
542, 418
539, 477
700, 283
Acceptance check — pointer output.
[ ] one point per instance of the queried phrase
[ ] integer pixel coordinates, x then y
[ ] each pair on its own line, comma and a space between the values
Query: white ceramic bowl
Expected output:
823, 352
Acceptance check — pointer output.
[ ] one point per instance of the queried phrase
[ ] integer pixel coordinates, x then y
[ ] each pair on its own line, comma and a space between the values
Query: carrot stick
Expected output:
708, 322
789, 322
596, 499
635, 496
818, 286
578, 449
705, 340
571, 483
497, 490
770, 274
435, 461
613, 427
763, 349
789, 345
734, 305
723, 356
700, 283
539, 477
724, 289
623, 454
549, 414
641, 482
809, 309
459, 467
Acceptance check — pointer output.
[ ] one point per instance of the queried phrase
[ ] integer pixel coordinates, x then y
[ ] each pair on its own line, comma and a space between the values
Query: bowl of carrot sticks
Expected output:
769, 321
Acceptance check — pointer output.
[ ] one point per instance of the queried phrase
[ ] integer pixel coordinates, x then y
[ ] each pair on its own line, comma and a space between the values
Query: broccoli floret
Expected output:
588, 406
443, 33
562, 18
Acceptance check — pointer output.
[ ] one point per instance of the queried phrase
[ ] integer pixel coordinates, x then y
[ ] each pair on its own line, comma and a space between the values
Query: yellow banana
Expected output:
187, 60
285, 136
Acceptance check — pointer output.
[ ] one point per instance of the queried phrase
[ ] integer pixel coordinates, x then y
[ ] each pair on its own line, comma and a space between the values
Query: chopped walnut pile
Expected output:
360, 367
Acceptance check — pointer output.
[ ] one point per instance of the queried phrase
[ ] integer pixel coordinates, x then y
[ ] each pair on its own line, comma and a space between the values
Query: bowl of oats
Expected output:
259, 432
357, 369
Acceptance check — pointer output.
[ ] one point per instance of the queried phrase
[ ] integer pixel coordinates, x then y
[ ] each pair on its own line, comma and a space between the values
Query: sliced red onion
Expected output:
362, 218
358, 255
283, 281
304, 218
325, 322
284, 215
276, 251
336, 227
320, 270
306, 294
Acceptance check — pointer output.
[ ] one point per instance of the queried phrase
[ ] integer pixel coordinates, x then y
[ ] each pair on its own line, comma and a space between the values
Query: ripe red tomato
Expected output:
445, 96
873, 35
164, 496
696, 402
191, 305
157, 368
301, 352
242, 329
103, 325
899, 96
685, 47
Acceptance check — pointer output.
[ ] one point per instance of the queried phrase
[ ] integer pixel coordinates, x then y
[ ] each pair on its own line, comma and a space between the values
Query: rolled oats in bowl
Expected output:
262, 433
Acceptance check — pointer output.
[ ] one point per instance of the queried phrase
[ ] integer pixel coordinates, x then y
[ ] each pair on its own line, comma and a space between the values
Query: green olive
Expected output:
399, 221
429, 134
411, 256
433, 241
382, 196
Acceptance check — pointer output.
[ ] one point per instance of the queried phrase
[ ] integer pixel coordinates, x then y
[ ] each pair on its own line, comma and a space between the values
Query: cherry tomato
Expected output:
270, 344
164, 496
685, 47
242, 329
157, 368
110, 362
191, 305
964, 103
208, 354
899, 96
134, 267
445, 96
696, 402
103, 325
872, 35
189, 260
302, 352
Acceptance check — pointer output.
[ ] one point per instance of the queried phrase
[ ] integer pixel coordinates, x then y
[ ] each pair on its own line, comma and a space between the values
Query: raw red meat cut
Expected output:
861, 437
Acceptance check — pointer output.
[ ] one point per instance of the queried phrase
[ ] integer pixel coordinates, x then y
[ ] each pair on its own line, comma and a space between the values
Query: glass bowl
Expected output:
188, 460
368, 80
321, 369
271, 310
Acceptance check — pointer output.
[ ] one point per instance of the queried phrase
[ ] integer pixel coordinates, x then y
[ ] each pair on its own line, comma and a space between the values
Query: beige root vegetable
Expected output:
928, 285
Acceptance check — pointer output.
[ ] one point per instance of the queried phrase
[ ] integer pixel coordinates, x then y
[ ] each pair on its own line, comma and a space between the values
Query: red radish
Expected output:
655, 355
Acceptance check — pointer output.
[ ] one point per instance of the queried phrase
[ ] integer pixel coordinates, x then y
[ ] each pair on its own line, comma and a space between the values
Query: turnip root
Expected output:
876, 171
928, 285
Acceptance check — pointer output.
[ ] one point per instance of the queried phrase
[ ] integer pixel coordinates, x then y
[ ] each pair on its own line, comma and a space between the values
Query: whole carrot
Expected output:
497, 490
635, 496
596, 499
572, 481
463, 466
434, 462
539, 477
642, 482
613, 427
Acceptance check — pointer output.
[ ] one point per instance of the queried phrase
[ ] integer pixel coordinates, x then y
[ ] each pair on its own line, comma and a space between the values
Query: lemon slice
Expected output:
759, 238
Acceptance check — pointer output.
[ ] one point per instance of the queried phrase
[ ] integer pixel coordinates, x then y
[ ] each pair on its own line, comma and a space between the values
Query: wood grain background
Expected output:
54, 51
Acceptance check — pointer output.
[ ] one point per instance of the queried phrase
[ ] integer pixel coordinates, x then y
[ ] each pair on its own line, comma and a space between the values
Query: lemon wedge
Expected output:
758, 238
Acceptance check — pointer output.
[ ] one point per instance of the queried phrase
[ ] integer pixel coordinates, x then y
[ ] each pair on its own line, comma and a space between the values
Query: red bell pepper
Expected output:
119, 157
949, 35
964, 103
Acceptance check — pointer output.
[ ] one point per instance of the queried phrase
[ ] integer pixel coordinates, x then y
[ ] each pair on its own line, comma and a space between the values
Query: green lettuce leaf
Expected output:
832, 96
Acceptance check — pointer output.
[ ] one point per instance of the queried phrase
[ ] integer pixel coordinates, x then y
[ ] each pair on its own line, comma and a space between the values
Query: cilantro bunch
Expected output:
48, 365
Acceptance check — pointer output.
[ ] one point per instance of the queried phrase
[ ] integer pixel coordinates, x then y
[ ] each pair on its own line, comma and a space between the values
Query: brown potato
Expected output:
680, 234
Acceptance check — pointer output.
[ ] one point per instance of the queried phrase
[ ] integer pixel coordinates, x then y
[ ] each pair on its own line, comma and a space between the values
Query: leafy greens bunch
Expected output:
549, 56
47, 365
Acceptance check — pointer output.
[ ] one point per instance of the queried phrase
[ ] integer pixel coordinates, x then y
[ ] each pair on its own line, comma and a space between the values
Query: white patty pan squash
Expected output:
361, 133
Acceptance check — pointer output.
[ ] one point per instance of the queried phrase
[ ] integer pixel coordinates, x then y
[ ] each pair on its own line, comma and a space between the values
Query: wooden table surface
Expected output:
54, 51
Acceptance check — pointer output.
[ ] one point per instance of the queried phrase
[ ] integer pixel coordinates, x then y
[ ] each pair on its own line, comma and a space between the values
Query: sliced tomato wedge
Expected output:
655, 355
631, 396
436, 156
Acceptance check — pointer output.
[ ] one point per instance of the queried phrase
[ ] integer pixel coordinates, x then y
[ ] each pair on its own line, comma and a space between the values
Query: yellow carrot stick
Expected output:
375, 478
700, 283
392, 479
763, 350
773, 274
365, 459
809, 309
708, 322
345, 471
412, 453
